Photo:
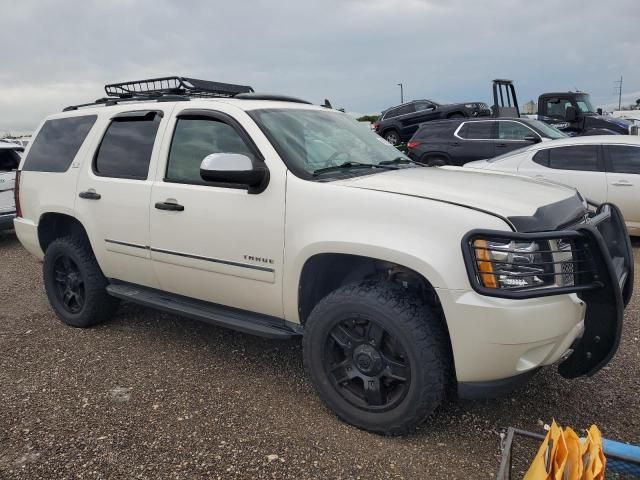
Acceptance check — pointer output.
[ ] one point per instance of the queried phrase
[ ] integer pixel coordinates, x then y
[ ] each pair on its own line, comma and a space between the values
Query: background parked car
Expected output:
398, 124
604, 168
9, 160
456, 142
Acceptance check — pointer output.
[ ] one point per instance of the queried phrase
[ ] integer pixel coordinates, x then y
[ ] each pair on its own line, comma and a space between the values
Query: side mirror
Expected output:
532, 139
570, 114
234, 168
599, 110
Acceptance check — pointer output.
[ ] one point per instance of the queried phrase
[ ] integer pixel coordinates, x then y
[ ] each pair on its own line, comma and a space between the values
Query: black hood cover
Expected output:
554, 216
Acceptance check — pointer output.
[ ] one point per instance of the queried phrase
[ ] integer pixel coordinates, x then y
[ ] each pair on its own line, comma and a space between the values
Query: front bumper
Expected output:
6, 220
500, 337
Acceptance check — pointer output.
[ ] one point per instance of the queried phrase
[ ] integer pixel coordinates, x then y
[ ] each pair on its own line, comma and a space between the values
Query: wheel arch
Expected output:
457, 112
324, 272
52, 225
436, 153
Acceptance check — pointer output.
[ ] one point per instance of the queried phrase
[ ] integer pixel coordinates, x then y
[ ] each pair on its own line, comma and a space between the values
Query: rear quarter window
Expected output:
434, 129
57, 144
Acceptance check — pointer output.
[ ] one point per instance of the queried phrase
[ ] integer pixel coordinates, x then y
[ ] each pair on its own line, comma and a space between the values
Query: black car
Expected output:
456, 142
398, 124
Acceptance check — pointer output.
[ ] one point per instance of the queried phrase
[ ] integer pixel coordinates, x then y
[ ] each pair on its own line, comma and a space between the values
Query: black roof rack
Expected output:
175, 86
175, 89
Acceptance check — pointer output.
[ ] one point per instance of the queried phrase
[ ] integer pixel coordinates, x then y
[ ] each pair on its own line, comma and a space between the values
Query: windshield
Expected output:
547, 130
584, 104
311, 140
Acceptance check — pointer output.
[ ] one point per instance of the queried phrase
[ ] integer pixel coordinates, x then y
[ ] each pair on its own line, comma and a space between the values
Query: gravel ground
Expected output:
150, 395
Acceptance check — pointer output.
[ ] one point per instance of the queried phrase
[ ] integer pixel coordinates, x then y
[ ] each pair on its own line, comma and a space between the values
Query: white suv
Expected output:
279, 218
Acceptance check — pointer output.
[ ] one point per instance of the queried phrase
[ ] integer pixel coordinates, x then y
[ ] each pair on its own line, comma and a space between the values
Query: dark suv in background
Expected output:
456, 142
398, 124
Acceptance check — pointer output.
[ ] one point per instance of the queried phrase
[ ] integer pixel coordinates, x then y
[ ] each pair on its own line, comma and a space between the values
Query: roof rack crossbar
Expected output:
176, 86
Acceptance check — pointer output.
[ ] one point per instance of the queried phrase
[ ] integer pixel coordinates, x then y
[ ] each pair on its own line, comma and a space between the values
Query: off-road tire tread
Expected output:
424, 326
99, 305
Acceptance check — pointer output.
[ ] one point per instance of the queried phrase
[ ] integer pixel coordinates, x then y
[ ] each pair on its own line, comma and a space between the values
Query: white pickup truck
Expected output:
279, 218
9, 160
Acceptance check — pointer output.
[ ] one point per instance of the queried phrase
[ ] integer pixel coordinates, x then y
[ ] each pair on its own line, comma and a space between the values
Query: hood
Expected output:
620, 125
508, 196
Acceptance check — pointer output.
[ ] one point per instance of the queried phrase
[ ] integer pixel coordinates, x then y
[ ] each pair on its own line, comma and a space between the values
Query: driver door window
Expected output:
513, 131
557, 106
193, 140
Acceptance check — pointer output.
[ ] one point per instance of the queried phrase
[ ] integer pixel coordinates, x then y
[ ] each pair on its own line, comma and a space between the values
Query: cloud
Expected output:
353, 52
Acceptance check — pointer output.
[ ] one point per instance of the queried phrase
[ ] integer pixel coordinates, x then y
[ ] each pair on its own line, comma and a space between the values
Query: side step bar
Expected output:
240, 320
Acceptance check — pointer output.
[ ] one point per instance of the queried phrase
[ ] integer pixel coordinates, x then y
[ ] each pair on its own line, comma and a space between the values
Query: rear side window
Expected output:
404, 109
624, 159
125, 150
436, 130
582, 157
57, 144
193, 140
542, 158
391, 113
477, 131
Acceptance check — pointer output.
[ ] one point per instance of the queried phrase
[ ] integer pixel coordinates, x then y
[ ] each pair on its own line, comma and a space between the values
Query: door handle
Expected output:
501, 144
622, 183
455, 144
174, 207
539, 177
90, 195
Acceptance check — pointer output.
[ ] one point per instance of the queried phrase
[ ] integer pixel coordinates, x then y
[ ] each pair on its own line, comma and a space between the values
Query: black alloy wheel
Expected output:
367, 365
69, 284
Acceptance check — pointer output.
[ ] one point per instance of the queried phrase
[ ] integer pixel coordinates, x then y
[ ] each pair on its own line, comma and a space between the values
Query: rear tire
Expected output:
435, 161
378, 357
392, 137
75, 285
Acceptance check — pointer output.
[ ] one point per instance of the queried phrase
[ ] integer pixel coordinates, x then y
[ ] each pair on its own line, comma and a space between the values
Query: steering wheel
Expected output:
333, 159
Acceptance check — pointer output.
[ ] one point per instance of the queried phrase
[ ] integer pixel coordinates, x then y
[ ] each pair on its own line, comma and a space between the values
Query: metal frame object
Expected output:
621, 457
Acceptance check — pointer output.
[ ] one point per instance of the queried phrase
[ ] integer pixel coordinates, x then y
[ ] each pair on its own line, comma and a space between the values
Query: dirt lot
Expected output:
150, 395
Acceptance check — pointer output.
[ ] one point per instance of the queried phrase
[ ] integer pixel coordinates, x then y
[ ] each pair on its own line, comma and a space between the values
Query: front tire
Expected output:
75, 285
377, 356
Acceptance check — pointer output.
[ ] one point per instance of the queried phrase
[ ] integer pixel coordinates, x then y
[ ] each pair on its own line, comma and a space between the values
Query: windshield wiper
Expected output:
352, 165
398, 160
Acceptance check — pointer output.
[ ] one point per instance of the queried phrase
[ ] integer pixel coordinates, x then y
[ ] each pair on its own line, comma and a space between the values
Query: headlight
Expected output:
525, 267
469, 105
512, 264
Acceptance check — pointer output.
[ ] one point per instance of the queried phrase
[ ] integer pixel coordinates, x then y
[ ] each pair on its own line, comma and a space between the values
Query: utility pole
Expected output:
401, 93
619, 91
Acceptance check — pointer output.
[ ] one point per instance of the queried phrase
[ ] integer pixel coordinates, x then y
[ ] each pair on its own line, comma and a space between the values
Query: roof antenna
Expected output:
327, 103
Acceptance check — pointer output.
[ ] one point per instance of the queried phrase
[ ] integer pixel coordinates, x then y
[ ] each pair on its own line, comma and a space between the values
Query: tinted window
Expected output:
193, 140
583, 157
125, 150
557, 106
478, 130
403, 110
9, 160
513, 131
436, 129
541, 158
57, 143
391, 113
625, 159
420, 106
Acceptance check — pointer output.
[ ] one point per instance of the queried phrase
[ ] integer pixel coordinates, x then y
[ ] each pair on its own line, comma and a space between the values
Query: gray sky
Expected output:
353, 52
